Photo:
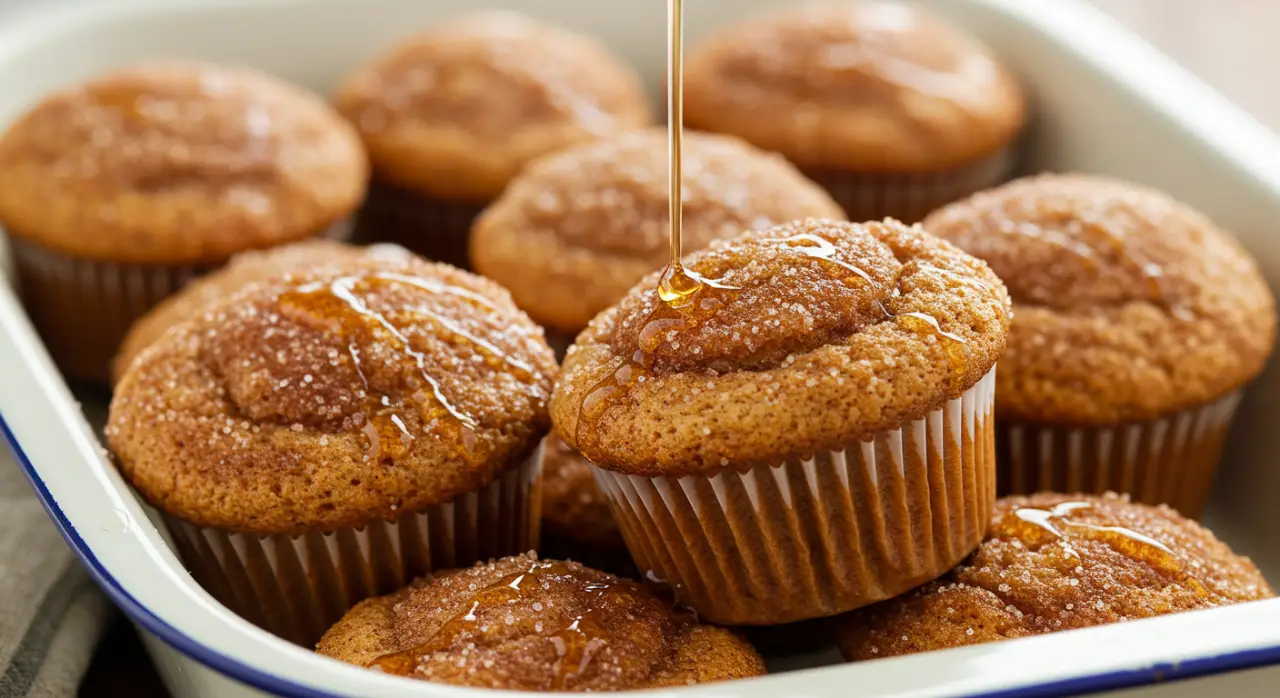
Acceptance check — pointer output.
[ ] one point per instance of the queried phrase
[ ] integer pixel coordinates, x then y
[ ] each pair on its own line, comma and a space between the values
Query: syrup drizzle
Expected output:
677, 283
1057, 522
575, 644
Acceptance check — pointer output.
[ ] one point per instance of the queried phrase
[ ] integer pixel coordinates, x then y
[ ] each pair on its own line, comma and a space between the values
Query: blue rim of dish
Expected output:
263, 681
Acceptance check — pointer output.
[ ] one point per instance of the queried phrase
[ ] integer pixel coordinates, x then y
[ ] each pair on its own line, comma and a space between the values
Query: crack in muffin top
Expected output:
178, 162
525, 624
334, 396
1057, 562
854, 85
1130, 305
805, 337
460, 108
578, 228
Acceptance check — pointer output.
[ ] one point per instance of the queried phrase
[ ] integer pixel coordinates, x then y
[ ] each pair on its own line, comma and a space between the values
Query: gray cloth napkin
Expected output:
51, 614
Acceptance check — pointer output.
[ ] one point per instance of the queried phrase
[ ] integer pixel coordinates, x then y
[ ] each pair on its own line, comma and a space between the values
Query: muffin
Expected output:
889, 108
576, 521
521, 623
1058, 562
240, 271
809, 431
1138, 323
117, 192
334, 433
451, 115
579, 228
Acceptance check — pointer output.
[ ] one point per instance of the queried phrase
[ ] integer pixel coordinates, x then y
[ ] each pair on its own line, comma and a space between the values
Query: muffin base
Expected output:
437, 229
909, 197
83, 308
298, 586
811, 538
1166, 461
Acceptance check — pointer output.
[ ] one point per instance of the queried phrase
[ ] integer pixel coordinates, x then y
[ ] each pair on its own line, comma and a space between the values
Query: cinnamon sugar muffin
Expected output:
891, 109
524, 624
451, 115
331, 434
116, 192
1138, 323
240, 271
1058, 562
580, 227
576, 521
809, 431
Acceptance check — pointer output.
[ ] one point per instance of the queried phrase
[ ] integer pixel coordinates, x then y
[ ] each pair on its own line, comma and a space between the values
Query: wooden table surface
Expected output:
1231, 44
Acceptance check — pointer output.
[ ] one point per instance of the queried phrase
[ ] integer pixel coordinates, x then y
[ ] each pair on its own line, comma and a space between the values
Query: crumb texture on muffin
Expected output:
1130, 305
1056, 562
333, 396
243, 269
858, 85
525, 624
803, 338
177, 163
456, 111
580, 227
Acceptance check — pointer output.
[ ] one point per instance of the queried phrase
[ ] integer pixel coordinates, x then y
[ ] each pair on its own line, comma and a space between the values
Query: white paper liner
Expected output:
297, 586
1170, 460
83, 308
816, 537
909, 197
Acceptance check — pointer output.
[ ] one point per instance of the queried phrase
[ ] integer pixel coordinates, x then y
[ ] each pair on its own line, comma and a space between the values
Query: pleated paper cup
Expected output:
811, 538
910, 196
298, 586
82, 308
437, 229
1166, 461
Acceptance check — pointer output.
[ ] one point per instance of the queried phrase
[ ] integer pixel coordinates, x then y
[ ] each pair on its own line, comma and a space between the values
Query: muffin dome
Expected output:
804, 337
854, 85
1129, 304
1057, 562
242, 270
578, 228
177, 163
524, 624
333, 396
456, 111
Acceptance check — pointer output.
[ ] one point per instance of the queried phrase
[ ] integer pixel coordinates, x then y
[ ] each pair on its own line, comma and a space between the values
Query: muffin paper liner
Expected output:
1170, 460
810, 538
437, 229
83, 308
910, 196
298, 586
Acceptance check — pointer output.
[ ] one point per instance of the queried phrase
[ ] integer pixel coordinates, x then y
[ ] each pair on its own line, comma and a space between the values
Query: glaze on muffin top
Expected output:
525, 624
177, 162
854, 85
580, 227
1130, 305
804, 337
333, 396
1057, 562
457, 110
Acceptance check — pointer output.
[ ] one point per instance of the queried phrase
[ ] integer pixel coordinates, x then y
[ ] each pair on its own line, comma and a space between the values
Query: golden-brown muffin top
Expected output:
573, 507
456, 111
803, 338
177, 163
243, 269
859, 85
1057, 562
580, 227
525, 624
1130, 305
333, 396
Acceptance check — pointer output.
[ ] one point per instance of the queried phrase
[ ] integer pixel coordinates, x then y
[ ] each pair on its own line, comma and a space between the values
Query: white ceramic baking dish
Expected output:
1104, 102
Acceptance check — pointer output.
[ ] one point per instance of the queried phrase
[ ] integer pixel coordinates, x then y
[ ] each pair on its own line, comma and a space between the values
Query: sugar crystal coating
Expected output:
525, 624
1057, 562
177, 163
